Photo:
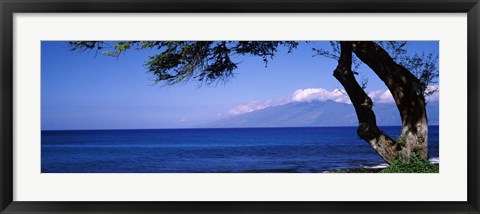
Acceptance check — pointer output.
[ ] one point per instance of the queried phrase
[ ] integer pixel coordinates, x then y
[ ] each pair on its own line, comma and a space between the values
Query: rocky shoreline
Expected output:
357, 170
360, 170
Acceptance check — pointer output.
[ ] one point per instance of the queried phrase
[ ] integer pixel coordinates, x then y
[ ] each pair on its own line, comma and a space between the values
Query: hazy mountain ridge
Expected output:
316, 113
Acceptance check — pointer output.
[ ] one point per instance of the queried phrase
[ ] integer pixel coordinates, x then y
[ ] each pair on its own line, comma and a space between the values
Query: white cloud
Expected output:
301, 95
253, 106
318, 94
384, 96
435, 96
381, 96
243, 108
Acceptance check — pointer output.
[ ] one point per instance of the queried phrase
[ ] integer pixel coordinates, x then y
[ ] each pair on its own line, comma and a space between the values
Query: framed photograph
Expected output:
239, 106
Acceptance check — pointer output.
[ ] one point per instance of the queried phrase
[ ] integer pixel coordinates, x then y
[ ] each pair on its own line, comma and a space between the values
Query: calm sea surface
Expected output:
212, 150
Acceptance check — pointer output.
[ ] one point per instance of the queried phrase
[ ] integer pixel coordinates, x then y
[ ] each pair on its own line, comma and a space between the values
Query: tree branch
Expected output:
367, 129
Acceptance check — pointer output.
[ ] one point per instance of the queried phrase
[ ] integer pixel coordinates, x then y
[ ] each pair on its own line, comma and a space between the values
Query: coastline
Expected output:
363, 170
356, 170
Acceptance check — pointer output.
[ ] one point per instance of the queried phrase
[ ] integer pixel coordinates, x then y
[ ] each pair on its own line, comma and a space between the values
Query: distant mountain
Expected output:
316, 113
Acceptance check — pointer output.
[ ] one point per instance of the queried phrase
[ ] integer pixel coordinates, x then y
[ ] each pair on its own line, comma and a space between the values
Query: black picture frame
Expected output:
9, 7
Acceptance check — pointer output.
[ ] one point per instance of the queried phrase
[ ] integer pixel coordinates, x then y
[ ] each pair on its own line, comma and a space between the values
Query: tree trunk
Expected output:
367, 129
407, 92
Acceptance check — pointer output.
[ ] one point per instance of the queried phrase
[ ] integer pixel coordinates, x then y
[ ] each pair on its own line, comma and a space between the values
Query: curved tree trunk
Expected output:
367, 129
407, 92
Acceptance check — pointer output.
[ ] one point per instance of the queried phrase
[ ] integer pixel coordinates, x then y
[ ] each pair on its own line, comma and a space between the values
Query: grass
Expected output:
416, 165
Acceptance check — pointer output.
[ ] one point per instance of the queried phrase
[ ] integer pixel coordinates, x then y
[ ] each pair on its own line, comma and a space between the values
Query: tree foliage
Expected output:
213, 61
422, 65
181, 61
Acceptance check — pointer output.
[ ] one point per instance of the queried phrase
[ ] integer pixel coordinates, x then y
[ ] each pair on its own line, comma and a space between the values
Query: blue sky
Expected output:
89, 91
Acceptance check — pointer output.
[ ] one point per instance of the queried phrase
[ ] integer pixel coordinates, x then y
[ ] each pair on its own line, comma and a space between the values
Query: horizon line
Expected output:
120, 129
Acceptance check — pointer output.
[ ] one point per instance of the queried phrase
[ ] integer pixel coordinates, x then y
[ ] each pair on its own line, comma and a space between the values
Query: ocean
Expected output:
230, 150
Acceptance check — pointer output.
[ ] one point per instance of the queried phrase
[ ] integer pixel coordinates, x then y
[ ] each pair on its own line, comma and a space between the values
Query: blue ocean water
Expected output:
310, 149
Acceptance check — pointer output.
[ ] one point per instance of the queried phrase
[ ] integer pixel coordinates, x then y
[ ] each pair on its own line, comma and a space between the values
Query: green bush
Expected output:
416, 165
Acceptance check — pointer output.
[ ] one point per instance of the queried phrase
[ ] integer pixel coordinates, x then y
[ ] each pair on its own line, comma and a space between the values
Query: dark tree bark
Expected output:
407, 92
367, 129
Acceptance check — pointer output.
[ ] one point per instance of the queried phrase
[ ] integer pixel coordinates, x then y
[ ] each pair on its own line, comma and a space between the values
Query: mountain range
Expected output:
316, 113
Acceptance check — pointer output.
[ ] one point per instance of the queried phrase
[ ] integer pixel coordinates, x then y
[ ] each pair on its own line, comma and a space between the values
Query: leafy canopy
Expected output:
213, 61
421, 65
181, 61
